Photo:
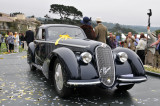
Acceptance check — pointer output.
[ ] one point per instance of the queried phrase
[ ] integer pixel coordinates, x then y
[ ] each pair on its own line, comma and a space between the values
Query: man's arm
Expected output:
150, 34
155, 43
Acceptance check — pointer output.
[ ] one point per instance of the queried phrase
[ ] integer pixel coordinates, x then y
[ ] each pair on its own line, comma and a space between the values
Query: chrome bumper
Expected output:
132, 79
83, 82
122, 79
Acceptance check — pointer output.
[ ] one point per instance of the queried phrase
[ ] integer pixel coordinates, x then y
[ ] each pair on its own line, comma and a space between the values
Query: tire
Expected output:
59, 79
125, 87
30, 60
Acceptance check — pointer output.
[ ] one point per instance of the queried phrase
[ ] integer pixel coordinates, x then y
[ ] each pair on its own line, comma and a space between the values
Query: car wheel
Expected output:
125, 87
30, 60
59, 80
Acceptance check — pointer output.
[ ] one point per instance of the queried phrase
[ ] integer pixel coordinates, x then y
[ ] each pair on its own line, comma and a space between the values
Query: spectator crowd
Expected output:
147, 48
14, 41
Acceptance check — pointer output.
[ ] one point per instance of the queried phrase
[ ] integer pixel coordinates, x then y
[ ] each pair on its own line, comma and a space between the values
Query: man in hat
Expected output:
101, 31
87, 28
29, 36
149, 58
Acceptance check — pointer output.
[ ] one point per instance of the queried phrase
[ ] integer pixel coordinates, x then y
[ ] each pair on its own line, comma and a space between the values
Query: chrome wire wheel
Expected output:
58, 76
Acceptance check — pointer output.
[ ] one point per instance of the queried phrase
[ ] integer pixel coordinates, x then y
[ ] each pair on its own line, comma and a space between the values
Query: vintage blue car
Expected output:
69, 59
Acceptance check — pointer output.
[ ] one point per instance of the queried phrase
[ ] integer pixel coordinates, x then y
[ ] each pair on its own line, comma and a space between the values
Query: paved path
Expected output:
21, 87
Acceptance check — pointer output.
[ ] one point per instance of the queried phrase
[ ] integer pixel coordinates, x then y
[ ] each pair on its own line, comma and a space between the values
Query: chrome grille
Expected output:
105, 65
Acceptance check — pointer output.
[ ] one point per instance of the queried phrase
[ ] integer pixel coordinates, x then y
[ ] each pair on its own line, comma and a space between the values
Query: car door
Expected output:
40, 47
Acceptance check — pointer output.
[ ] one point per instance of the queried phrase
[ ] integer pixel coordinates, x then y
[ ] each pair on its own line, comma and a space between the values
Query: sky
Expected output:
126, 12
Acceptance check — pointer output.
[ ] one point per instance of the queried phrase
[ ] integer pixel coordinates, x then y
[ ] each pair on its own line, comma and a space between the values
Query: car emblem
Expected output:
105, 70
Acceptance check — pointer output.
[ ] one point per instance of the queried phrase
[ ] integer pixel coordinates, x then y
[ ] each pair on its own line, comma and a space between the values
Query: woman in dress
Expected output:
16, 42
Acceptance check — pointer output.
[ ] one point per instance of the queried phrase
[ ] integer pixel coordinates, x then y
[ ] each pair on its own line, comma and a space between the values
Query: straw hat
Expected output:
99, 19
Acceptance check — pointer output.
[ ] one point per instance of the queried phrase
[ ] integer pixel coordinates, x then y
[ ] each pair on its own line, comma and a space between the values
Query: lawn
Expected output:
152, 69
3, 49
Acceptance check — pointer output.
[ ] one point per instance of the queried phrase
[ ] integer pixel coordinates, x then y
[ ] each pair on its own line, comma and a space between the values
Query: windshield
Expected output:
54, 32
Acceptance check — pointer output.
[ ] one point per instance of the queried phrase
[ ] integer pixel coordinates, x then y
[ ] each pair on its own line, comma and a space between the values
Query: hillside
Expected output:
109, 25
136, 28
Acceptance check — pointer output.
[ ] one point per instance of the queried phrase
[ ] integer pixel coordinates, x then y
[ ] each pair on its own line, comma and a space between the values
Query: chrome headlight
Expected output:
86, 57
122, 56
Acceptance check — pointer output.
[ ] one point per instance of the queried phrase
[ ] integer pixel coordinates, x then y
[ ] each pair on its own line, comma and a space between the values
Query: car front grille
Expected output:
105, 65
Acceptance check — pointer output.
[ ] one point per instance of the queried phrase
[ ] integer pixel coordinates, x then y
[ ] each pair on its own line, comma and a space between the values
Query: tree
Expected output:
75, 13
65, 11
118, 29
32, 16
47, 17
15, 13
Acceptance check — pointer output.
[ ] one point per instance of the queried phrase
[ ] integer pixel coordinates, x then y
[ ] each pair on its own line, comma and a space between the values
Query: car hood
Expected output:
80, 43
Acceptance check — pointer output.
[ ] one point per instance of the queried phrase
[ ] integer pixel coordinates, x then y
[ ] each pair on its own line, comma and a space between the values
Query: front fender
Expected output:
76, 70
67, 57
133, 66
32, 47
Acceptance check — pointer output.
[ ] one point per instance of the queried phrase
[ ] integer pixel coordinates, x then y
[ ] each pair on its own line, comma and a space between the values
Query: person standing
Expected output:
109, 39
0, 40
22, 38
136, 40
157, 42
130, 41
101, 31
10, 41
16, 42
141, 47
6, 36
29, 36
149, 58
157, 53
114, 42
87, 28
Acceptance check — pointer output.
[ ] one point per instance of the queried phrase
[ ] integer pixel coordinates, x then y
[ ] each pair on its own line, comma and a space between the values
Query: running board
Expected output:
39, 67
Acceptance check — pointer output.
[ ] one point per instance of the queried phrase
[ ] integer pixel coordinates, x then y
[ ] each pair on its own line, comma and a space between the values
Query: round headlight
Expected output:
86, 57
122, 56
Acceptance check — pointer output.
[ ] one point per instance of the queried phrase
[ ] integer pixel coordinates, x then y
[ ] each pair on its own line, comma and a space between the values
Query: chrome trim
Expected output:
37, 66
131, 80
83, 83
102, 45
121, 84
63, 44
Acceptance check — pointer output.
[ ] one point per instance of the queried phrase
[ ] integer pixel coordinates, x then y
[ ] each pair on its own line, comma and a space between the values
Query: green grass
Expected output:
152, 69
3, 49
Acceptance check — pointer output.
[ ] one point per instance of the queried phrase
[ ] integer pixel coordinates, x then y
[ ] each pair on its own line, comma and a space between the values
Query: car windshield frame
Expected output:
62, 30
